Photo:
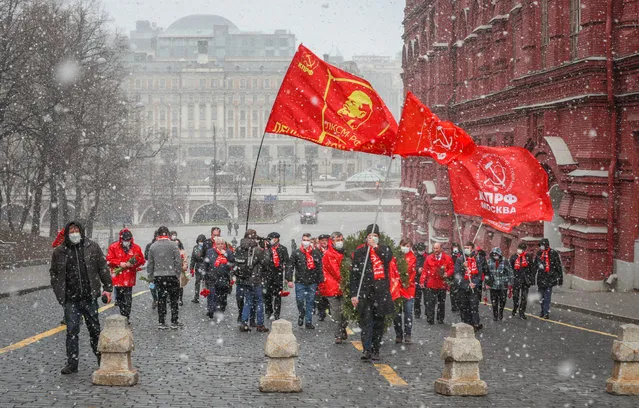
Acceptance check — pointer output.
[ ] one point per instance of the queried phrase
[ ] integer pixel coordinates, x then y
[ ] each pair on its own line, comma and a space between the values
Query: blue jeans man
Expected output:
253, 293
545, 293
305, 297
404, 326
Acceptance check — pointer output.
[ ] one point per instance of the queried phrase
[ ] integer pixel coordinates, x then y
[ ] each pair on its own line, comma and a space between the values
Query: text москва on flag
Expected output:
328, 106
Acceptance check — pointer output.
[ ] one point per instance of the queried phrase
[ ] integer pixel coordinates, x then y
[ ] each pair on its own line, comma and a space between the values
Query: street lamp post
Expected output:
279, 176
307, 178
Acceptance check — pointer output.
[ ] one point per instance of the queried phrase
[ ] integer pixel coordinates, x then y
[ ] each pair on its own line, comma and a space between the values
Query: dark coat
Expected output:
419, 264
271, 270
303, 275
258, 270
525, 275
94, 265
554, 276
377, 291
460, 271
218, 276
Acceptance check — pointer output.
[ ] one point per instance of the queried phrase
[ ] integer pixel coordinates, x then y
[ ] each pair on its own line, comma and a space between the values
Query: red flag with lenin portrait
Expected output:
422, 133
325, 105
501, 184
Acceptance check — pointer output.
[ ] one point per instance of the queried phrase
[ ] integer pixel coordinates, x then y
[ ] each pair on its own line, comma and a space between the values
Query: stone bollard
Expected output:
461, 354
281, 349
625, 353
115, 345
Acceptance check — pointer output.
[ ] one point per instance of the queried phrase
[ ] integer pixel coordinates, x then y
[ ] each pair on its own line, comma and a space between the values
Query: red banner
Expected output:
501, 184
499, 226
422, 133
325, 105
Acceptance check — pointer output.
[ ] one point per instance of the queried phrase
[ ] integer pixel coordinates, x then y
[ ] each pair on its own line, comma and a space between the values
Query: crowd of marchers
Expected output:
262, 272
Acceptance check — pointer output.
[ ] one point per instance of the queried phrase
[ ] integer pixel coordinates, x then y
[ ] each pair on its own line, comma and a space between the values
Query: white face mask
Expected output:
496, 257
467, 252
405, 249
126, 244
374, 240
306, 244
273, 242
338, 244
520, 251
542, 247
75, 237
455, 250
420, 252
173, 237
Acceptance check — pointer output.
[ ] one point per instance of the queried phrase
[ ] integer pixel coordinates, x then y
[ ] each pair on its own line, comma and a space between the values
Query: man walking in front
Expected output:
330, 288
79, 274
164, 267
276, 261
549, 274
125, 258
305, 267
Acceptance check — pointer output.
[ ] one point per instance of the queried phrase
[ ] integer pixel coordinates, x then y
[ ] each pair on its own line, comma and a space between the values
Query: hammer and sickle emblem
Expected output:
497, 175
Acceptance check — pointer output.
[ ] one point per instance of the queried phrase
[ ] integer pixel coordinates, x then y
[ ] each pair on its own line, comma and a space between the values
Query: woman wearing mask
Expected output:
125, 258
197, 266
499, 281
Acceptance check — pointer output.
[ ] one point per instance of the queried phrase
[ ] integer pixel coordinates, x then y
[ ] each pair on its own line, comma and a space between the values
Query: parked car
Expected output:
327, 177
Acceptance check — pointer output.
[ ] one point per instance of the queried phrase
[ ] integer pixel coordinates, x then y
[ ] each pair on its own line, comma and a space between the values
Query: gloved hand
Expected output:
192, 272
106, 297
510, 292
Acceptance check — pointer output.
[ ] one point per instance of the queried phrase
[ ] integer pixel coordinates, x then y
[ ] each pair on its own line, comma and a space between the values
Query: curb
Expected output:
604, 315
23, 291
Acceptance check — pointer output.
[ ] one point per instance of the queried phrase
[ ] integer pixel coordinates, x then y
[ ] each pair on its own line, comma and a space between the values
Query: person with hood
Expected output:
305, 268
499, 280
152, 288
404, 326
79, 275
549, 274
454, 290
276, 261
125, 258
371, 265
467, 274
218, 265
330, 289
249, 267
522, 263
197, 266
164, 267
420, 257
438, 267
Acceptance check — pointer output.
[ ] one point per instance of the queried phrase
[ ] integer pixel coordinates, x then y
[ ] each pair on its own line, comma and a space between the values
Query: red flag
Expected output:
325, 105
422, 133
502, 184
499, 226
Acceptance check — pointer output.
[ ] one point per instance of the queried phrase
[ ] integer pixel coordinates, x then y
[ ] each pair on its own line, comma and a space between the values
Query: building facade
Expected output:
558, 77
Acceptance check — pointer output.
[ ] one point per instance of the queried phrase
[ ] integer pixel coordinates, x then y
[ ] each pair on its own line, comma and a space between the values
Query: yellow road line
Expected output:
49, 333
391, 376
349, 331
572, 326
357, 345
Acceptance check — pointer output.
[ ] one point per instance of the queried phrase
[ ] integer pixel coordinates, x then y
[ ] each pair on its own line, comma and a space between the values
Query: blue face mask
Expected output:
200, 244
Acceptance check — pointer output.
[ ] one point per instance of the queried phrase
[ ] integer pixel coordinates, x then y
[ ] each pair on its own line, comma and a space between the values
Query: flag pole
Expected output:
461, 242
478, 229
379, 206
257, 159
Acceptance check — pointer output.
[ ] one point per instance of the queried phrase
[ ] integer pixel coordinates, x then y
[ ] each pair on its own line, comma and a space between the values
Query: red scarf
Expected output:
472, 268
544, 259
276, 256
521, 261
378, 265
310, 263
221, 258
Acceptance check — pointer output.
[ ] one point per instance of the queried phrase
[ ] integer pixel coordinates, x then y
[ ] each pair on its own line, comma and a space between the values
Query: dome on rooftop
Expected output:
199, 24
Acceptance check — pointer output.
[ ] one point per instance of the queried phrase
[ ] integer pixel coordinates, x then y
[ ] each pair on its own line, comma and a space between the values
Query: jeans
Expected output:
272, 299
546, 294
198, 283
435, 298
124, 299
406, 309
73, 313
305, 297
419, 295
168, 287
239, 299
520, 291
498, 299
469, 307
335, 304
253, 293
211, 304
454, 300
372, 323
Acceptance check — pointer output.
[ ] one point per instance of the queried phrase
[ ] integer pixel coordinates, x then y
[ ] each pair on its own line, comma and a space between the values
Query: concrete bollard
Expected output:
281, 349
625, 353
115, 346
461, 354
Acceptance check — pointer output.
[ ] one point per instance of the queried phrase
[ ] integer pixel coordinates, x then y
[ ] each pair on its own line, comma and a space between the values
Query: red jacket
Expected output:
117, 254
331, 262
396, 286
431, 274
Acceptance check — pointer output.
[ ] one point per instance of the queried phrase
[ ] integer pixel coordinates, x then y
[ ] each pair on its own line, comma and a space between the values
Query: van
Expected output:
308, 212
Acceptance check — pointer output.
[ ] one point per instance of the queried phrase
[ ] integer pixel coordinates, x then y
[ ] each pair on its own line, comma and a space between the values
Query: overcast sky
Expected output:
364, 27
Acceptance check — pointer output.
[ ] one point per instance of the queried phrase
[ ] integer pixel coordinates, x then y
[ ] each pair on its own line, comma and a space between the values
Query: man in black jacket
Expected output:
523, 267
306, 265
549, 274
371, 265
79, 274
420, 256
276, 261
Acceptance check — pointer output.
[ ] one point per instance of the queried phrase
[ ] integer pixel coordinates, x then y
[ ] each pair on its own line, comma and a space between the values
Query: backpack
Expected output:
245, 258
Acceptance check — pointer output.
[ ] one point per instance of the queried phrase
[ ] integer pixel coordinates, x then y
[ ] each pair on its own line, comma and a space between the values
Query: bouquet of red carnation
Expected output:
120, 269
232, 282
284, 293
205, 292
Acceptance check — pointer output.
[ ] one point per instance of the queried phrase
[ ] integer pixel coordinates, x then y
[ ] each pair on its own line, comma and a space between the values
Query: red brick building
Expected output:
558, 77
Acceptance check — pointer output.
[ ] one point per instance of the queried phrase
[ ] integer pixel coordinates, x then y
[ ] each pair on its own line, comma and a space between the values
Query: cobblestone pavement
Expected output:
530, 363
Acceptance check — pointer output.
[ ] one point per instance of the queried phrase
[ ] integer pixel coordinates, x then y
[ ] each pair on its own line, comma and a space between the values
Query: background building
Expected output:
559, 78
